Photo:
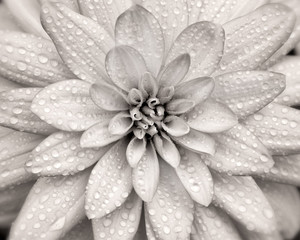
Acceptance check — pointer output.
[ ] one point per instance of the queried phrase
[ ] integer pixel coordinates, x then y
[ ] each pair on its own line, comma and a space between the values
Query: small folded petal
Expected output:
211, 223
175, 71
285, 201
122, 223
68, 106
103, 12
195, 177
53, 207
83, 230
61, 154
98, 136
204, 42
198, 89
239, 152
179, 106
248, 46
211, 117
175, 126
135, 151
246, 92
171, 211
110, 182
197, 142
277, 127
167, 149
125, 66
30, 60
145, 175
11, 201
15, 111
285, 170
120, 124
108, 97
82, 51
289, 66
243, 200
27, 13
165, 94
139, 29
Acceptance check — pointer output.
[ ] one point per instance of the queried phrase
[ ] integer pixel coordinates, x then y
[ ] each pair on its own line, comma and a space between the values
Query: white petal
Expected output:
110, 182
7, 21
135, 151
175, 126
139, 29
179, 106
83, 230
120, 124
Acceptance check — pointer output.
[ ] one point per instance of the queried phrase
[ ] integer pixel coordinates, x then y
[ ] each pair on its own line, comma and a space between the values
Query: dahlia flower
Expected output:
149, 119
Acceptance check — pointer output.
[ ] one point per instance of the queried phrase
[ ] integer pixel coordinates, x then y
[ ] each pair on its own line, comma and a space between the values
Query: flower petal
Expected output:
108, 97
211, 117
148, 85
289, 66
16, 113
171, 211
247, 45
175, 126
145, 176
122, 223
103, 12
204, 42
246, 92
8, 85
30, 60
251, 235
82, 51
110, 182
98, 136
285, 201
125, 66
120, 124
67, 106
54, 205
179, 106
27, 13
239, 152
277, 127
198, 89
83, 230
139, 29
7, 21
197, 142
243, 200
211, 223
135, 151
61, 154
167, 149
175, 71
195, 177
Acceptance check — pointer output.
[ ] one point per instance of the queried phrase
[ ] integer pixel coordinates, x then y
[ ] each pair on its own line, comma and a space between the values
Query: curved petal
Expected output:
277, 127
243, 200
197, 142
120, 124
167, 149
110, 182
171, 210
7, 21
8, 84
83, 230
61, 154
211, 223
135, 151
195, 177
239, 152
211, 117
289, 66
139, 29
145, 176
125, 66
246, 92
30, 60
204, 42
124, 219
179, 106
175, 126
67, 106
16, 113
175, 71
60, 202
247, 45
82, 51
148, 85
